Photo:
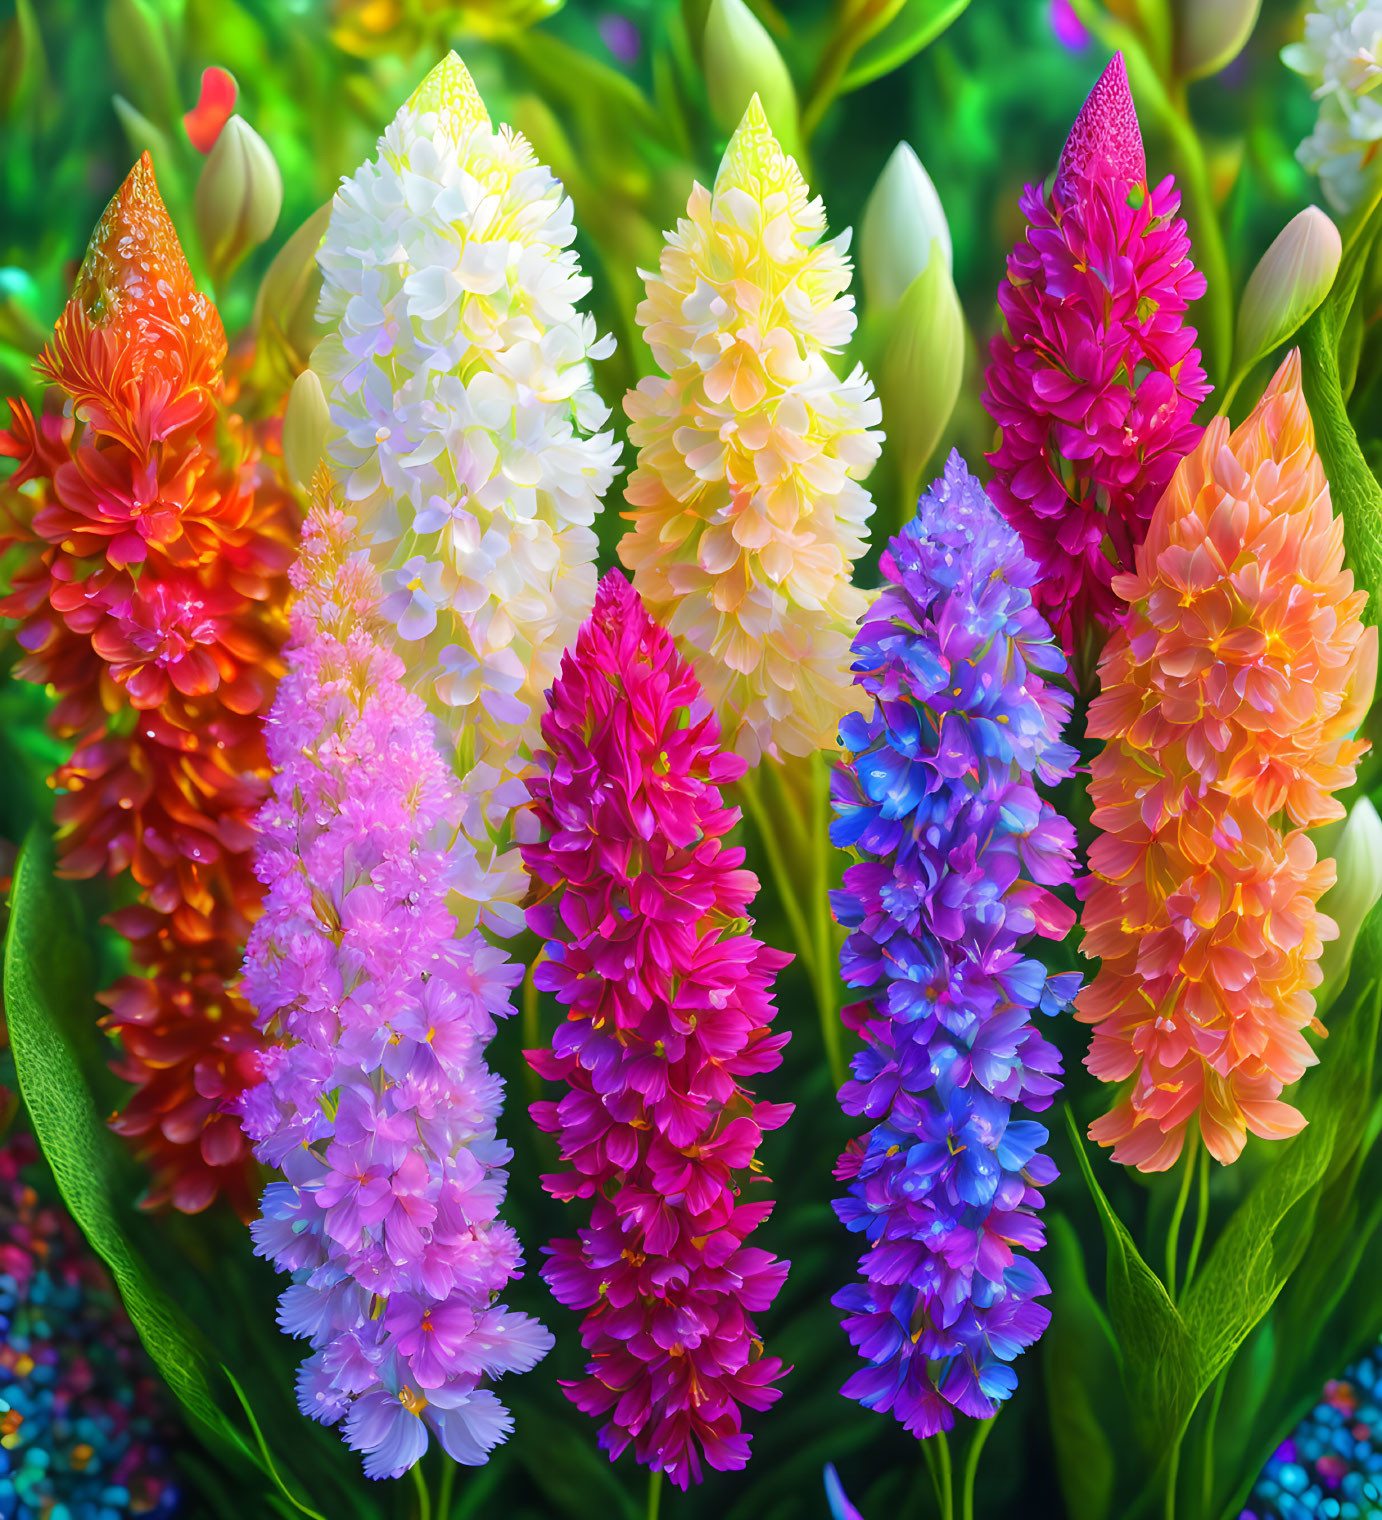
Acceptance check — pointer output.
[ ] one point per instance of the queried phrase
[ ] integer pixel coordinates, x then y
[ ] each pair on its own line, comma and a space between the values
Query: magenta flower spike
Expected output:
643, 908
1095, 378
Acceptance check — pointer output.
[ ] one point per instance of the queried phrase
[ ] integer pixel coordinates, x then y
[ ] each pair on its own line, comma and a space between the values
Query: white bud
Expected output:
741, 60
1356, 845
306, 423
239, 196
1290, 281
902, 221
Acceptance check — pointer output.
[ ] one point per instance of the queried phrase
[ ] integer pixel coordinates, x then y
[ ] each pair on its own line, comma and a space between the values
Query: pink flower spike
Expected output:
1105, 135
212, 110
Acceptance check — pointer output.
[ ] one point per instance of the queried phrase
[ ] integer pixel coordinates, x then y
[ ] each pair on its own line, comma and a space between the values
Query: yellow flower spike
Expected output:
747, 509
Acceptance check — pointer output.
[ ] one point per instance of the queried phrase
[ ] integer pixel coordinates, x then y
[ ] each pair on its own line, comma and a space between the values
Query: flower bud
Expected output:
1290, 281
1356, 844
902, 219
919, 373
285, 310
306, 423
741, 61
1210, 34
239, 196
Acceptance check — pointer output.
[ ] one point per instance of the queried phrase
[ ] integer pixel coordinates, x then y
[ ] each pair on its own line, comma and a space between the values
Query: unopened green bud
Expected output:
1290, 281
1356, 845
239, 196
741, 61
902, 222
306, 424
1210, 34
919, 372
285, 310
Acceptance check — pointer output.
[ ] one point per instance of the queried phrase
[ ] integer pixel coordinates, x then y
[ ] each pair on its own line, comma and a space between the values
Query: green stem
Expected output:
424, 1500
824, 921
1207, 1483
1178, 1213
777, 864
976, 1445
1172, 1473
943, 1477
654, 1495
532, 1040
851, 33
1201, 1219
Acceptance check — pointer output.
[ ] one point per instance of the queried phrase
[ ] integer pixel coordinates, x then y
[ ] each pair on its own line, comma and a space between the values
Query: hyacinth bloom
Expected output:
746, 505
956, 858
465, 433
1229, 697
642, 906
376, 1101
1095, 378
150, 586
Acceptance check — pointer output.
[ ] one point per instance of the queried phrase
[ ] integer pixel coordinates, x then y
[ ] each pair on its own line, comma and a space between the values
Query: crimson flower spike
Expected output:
1094, 380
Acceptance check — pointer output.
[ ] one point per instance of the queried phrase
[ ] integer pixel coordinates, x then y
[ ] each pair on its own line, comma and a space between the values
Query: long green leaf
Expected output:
84, 1155
1158, 1353
1082, 1381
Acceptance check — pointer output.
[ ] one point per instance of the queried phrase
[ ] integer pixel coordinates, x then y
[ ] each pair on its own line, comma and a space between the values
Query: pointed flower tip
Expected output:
1105, 135
448, 91
755, 158
134, 257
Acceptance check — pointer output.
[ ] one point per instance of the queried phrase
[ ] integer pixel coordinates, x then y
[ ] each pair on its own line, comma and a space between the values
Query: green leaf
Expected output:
1271, 1230
563, 1464
915, 27
42, 964
1158, 1354
1082, 1380
1353, 487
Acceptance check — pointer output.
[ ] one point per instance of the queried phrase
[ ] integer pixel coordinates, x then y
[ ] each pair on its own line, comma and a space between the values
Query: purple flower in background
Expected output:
956, 855
621, 36
376, 1102
1069, 30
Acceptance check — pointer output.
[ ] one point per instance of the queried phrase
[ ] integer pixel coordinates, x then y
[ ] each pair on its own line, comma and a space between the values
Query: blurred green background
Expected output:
614, 99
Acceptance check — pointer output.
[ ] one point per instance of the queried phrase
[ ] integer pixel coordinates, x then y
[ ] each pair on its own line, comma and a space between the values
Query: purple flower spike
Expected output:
956, 856
376, 1104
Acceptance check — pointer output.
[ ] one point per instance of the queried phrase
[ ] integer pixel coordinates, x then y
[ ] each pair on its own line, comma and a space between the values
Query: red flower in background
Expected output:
151, 602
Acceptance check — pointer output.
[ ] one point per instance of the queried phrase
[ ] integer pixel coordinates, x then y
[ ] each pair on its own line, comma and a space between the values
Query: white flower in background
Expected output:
467, 432
1339, 59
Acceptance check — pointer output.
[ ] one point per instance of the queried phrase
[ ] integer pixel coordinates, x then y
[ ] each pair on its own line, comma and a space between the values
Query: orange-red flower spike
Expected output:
151, 601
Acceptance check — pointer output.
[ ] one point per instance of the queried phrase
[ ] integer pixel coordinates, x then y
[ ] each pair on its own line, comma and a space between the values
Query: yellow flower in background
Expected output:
368, 28
747, 508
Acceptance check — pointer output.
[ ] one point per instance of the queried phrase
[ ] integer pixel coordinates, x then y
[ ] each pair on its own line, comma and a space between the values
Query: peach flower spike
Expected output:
1230, 699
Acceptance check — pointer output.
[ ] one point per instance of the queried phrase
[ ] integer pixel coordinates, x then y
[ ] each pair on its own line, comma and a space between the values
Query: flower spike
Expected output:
746, 505
1230, 697
466, 435
1095, 378
377, 1103
956, 858
643, 906
150, 588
